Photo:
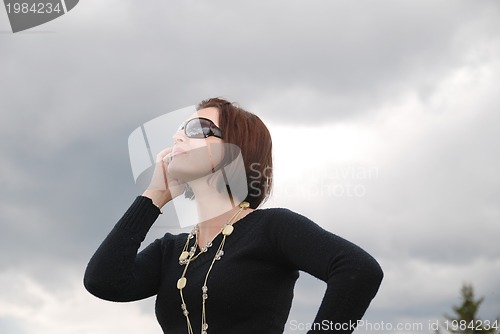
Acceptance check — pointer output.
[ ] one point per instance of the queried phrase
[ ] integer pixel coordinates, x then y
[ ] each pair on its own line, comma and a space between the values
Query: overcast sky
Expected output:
384, 116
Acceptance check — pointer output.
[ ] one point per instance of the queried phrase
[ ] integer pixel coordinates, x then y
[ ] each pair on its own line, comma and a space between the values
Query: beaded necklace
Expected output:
187, 257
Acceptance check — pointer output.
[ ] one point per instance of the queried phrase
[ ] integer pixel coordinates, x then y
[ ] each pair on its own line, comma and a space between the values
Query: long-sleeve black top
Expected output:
251, 286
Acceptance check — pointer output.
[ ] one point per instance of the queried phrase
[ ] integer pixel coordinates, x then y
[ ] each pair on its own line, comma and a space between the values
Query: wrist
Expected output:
159, 198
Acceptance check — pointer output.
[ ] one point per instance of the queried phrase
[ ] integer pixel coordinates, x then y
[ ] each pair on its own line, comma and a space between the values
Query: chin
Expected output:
188, 171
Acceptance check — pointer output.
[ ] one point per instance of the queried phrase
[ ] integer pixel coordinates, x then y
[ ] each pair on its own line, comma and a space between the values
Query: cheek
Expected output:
216, 153
199, 156
194, 143
192, 165
197, 162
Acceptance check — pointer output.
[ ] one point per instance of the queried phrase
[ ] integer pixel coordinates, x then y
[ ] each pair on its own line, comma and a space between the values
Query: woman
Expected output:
235, 272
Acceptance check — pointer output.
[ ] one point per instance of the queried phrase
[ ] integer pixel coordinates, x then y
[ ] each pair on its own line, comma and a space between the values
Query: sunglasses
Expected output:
200, 128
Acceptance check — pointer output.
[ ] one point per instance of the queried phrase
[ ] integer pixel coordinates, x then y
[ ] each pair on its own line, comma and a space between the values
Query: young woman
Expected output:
235, 272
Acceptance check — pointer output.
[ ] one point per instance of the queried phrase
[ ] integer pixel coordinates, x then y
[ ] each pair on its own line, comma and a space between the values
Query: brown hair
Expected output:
251, 136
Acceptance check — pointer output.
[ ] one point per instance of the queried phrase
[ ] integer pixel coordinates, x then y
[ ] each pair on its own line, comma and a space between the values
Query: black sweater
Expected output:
251, 287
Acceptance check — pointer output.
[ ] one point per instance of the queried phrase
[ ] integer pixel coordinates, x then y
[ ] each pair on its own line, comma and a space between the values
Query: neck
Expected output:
209, 202
214, 209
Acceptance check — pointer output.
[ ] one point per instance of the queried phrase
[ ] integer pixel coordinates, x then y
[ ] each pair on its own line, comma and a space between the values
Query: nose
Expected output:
179, 136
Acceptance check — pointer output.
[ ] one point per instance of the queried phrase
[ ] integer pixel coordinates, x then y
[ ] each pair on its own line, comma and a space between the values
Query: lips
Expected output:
176, 152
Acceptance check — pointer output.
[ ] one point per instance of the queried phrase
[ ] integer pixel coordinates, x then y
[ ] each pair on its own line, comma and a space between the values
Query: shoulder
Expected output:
278, 215
276, 220
170, 241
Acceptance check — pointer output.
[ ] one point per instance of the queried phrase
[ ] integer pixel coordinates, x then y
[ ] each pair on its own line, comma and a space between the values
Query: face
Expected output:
193, 158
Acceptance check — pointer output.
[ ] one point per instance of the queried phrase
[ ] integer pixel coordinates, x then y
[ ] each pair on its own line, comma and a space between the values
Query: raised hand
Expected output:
163, 187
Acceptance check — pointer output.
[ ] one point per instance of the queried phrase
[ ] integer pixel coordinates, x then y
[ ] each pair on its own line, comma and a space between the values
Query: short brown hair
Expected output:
251, 136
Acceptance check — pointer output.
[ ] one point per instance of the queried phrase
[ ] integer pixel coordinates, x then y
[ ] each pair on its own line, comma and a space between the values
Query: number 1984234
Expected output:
35, 8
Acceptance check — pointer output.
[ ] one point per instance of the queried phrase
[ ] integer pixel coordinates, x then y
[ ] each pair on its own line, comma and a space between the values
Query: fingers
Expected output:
161, 180
160, 156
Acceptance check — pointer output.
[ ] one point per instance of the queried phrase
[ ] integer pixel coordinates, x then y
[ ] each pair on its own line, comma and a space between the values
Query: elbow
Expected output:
99, 289
378, 275
374, 270
371, 275
96, 285
92, 285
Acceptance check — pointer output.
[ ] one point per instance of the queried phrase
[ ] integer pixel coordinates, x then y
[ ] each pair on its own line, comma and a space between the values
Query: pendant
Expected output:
184, 256
181, 283
228, 230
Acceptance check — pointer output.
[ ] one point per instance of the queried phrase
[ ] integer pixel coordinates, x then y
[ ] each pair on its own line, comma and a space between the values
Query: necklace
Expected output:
187, 257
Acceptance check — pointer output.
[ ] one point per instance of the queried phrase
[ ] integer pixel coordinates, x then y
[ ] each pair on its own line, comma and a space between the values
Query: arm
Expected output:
352, 275
116, 272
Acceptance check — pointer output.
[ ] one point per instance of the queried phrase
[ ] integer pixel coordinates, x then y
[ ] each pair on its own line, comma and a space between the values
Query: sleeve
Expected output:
351, 274
116, 272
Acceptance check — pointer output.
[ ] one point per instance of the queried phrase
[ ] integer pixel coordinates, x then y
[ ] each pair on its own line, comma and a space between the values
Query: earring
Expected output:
188, 192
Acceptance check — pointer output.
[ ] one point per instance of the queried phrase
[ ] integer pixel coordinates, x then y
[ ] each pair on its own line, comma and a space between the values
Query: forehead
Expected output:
210, 113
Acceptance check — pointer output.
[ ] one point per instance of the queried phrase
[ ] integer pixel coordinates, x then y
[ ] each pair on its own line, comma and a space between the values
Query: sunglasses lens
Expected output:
198, 128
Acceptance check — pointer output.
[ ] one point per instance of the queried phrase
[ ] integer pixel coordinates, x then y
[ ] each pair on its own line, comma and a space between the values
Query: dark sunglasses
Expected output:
200, 128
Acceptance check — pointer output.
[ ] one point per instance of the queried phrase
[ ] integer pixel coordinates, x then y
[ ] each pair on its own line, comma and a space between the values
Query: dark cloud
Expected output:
360, 55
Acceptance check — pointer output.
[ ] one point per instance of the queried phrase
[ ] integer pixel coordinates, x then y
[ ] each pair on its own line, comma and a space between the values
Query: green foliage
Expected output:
465, 320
